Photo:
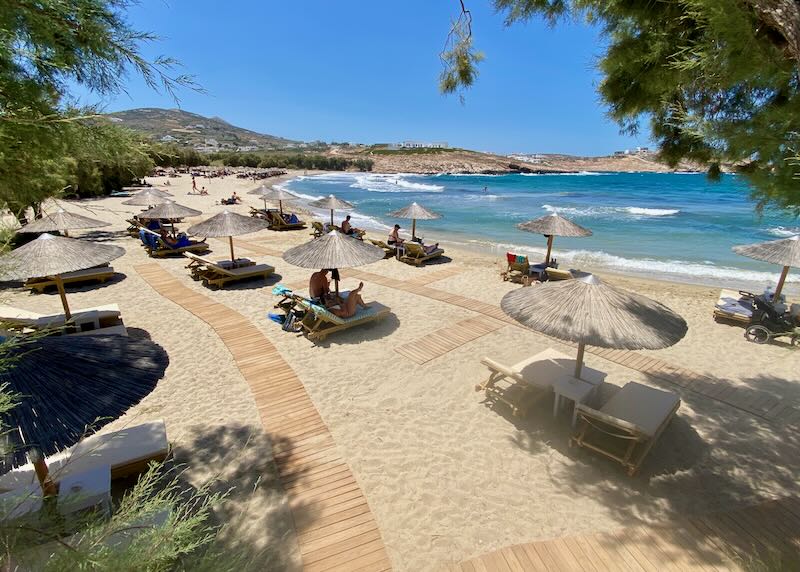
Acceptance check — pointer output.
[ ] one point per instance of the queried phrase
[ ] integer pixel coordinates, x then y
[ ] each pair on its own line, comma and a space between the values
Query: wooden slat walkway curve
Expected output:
756, 402
447, 339
335, 527
436, 275
713, 542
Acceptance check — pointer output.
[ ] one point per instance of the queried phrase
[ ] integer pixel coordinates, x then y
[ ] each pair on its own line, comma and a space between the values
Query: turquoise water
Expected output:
678, 226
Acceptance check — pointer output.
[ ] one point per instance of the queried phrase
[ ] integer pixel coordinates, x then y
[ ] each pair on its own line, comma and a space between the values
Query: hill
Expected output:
193, 130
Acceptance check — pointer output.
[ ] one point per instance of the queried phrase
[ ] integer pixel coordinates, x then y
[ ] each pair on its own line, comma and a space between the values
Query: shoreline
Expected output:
477, 245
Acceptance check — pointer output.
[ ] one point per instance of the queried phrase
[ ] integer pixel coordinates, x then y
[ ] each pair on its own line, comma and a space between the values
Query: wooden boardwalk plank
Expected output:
334, 523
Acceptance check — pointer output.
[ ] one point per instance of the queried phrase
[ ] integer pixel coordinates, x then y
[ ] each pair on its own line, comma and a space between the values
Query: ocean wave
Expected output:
784, 231
392, 184
611, 211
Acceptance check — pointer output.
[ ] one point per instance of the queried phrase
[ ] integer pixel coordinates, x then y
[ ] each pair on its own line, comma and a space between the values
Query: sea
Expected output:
674, 226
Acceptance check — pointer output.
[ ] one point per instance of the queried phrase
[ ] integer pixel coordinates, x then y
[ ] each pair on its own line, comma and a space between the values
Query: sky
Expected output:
367, 71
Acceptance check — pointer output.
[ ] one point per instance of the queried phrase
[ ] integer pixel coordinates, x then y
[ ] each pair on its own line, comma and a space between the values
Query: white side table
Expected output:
571, 388
86, 489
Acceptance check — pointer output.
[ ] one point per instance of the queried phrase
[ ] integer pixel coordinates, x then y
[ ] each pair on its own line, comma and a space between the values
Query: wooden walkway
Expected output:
710, 543
436, 275
447, 339
334, 524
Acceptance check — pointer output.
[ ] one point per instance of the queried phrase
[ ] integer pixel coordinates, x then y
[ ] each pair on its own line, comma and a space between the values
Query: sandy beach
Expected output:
446, 477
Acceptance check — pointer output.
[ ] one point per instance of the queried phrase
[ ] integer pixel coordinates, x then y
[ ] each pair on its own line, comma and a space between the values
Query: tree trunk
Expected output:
783, 18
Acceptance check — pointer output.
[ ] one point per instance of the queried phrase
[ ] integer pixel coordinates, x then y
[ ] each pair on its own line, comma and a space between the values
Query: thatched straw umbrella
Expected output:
333, 250
332, 203
785, 252
62, 221
228, 224
69, 386
147, 198
553, 225
273, 194
414, 212
142, 189
586, 310
169, 210
52, 256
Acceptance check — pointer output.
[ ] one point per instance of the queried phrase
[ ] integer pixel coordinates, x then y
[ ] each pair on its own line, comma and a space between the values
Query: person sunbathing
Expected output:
349, 229
319, 289
168, 240
394, 237
348, 308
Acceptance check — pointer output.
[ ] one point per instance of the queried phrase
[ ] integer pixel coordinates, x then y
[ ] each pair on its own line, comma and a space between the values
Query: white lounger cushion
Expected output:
545, 367
731, 302
115, 449
21, 501
643, 406
27, 318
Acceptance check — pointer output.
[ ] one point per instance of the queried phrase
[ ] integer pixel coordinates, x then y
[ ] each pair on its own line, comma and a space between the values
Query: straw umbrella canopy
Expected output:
51, 255
147, 198
586, 310
141, 189
333, 250
168, 209
228, 224
785, 252
68, 386
332, 203
553, 225
62, 221
273, 194
414, 212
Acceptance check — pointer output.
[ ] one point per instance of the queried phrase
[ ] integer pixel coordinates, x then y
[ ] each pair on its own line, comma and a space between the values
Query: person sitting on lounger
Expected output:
168, 240
394, 237
319, 289
348, 228
347, 309
430, 248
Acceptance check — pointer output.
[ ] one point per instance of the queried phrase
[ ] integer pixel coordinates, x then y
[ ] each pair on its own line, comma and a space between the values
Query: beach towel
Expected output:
520, 259
280, 290
293, 219
277, 318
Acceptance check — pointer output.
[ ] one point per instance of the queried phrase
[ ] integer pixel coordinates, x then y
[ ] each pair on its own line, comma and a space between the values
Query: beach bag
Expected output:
289, 324
277, 318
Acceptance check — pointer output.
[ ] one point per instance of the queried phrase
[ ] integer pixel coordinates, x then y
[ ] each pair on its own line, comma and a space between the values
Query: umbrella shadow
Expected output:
369, 331
104, 235
254, 283
443, 259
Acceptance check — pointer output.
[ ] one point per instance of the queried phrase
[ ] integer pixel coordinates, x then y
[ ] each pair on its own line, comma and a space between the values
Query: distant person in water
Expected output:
485, 189
394, 236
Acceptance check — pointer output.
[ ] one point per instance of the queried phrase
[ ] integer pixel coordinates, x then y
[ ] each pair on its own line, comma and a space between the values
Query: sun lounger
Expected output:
218, 274
415, 253
156, 247
100, 274
88, 321
518, 269
127, 451
319, 229
627, 427
556, 274
276, 222
319, 321
21, 502
388, 251
523, 384
734, 307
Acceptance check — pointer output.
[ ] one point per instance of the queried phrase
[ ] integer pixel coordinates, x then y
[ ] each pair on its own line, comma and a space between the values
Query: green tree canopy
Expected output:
716, 79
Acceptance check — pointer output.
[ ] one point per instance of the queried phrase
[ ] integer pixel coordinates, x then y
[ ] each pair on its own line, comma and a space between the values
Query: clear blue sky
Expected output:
367, 71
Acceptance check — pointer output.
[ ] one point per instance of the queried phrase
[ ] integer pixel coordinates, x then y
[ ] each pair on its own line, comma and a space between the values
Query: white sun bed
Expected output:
732, 306
127, 451
87, 320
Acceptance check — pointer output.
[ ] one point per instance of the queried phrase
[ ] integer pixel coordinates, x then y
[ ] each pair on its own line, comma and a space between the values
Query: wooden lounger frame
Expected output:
596, 429
319, 229
99, 274
166, 250
318, 326
212, 274
518, 272
516, 393
276, 222
415, 254
388, 251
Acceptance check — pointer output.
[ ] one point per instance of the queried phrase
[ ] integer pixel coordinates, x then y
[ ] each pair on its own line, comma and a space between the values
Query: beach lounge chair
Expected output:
556, 274
100, 320
627, 427
322, 228
518, 269
220, 273
157, 248
415, 254
525, 383
388, 251
276, 222
98, 273
128, 452
734, 307
318, 321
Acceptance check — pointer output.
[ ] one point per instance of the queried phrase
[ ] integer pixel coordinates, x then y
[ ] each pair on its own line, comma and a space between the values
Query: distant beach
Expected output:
673, 226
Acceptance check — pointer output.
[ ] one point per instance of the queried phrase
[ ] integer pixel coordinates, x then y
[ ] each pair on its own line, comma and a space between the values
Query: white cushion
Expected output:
644, 406
20, 501
731, 302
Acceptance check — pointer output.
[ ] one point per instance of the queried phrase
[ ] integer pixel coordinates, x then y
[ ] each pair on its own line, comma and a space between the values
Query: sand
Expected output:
446, 476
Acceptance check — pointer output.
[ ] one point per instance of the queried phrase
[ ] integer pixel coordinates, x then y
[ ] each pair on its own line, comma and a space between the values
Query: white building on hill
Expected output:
420, 145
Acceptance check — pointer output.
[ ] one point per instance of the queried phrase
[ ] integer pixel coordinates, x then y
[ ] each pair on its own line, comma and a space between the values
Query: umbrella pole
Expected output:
66, 233
331, 217
233, 258
63, 295
413, 228
265, 204
549, 249
579, 360
280, 206
781, 281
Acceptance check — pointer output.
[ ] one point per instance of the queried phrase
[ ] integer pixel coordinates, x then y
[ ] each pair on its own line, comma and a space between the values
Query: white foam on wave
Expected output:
611, 211
784, 231
392, 184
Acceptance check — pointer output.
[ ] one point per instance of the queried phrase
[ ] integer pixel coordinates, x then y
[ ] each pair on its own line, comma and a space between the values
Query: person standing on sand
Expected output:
194, 184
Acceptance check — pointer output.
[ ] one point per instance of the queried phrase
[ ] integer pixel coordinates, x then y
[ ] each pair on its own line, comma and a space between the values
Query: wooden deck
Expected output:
335, 527
447, 339
436, 275
717, 542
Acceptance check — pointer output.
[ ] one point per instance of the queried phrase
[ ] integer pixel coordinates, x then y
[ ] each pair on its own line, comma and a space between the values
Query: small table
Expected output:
84, 490
571, 388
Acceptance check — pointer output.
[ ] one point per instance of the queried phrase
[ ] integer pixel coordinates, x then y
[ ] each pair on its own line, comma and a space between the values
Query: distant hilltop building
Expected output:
637, 151
419, 145
534, 158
